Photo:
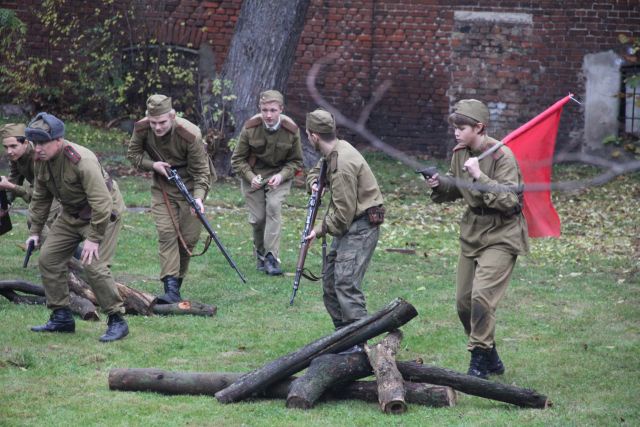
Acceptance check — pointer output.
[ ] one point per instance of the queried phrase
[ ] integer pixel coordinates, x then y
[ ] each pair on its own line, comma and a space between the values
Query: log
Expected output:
23, 299
22, 286
324, 372
394, 315
436, 396
83, 307
468, 384
209, 383
382, 358
186, 307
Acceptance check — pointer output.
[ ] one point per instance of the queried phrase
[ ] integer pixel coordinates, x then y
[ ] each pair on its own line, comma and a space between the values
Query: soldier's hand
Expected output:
5, 184
472, 166
161, 168
311, 237
256, 182
434, 181
89, 252
275, 180
200, 206
36, 241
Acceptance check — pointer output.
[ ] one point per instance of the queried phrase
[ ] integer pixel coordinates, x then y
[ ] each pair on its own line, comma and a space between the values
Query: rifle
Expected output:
312, 211
175, 178
5, 219
30, 249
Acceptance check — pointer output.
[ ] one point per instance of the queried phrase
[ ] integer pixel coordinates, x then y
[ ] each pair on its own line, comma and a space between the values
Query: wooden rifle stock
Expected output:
312, 212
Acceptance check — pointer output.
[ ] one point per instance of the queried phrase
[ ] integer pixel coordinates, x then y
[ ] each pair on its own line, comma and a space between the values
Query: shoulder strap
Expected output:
71, 154
187, 130
289, 124
253, 121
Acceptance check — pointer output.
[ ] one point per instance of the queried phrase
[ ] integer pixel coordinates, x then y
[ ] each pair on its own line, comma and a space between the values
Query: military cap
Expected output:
320, 121
158, 104
473, 109
9, 130
272, 96
44, 128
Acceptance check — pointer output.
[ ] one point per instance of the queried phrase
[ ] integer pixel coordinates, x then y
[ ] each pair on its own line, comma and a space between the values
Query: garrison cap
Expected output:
320, 121
9, 130
473, 109
158, 104
44, 128
271, 96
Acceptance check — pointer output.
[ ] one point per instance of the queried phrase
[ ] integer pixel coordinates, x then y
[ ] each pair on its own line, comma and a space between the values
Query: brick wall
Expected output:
518, 56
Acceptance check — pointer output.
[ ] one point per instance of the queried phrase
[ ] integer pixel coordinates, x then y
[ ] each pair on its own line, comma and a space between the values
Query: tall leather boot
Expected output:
495, 365
259, 261
117, 328
61, 320
478, 363
171, 291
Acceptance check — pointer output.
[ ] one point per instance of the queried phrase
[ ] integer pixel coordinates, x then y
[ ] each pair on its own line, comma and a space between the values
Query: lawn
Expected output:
568, 327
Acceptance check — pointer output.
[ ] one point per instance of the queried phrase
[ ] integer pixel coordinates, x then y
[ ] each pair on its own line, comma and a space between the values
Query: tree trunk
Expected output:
209, 383
261, 55
394, 315
413, 371
324, 372
382, 358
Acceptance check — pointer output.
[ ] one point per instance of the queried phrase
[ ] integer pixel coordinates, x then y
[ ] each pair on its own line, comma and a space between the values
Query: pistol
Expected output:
30, 249
428, 172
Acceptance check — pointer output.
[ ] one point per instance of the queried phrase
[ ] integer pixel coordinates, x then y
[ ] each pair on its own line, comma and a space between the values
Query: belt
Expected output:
480, 210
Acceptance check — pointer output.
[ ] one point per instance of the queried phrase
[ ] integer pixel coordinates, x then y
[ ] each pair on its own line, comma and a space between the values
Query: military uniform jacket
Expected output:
182, 147
21, 171
77, 180
262, 152
478, 232
354, 189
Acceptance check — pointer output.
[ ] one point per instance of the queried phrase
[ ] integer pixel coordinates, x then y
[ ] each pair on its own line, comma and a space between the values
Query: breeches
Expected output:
481, 284
64, 236
174, 259
265, 215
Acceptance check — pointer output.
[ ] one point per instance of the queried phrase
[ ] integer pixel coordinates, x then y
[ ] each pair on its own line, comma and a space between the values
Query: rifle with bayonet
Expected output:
30, 249
312, 211
173, 176
5, 219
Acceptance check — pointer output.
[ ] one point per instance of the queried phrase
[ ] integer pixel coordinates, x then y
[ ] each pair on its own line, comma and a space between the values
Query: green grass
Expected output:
568, 326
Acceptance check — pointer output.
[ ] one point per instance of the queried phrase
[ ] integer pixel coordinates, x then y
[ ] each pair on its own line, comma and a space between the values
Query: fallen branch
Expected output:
382, 358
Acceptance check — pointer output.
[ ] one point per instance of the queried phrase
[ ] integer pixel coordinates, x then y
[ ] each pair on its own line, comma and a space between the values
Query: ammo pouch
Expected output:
376, 215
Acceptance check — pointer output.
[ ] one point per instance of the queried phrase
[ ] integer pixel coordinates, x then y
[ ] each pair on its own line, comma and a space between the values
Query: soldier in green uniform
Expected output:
20, 181
353, 218
266, 157
162, 140
92, 208
493, 230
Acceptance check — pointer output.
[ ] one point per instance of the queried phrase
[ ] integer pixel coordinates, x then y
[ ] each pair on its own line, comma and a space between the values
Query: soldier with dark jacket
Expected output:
20, 181
493, 230
268, 153
92, 208
162, 140
353, 218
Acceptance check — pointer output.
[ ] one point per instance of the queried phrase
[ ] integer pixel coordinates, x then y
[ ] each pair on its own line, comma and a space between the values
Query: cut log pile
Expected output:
334, 373
83, 301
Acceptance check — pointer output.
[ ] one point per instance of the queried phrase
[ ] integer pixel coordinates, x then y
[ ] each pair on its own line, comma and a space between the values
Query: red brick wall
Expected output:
430, 58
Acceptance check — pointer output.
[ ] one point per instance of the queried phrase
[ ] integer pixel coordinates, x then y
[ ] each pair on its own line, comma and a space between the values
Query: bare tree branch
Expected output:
611, 168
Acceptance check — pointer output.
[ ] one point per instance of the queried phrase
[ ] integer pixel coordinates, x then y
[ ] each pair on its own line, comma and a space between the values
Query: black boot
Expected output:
478, 363
61, 320
495, 365
117, 328
259, 261
271, 265
171, 291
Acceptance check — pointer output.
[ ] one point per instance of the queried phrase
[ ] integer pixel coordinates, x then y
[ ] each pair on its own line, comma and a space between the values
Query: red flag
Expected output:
533, 145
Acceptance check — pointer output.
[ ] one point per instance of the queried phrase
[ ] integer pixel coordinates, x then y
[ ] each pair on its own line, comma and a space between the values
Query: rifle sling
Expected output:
176, 226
